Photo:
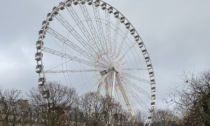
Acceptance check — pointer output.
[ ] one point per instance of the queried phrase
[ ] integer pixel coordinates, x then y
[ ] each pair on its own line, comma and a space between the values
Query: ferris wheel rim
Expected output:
126, 22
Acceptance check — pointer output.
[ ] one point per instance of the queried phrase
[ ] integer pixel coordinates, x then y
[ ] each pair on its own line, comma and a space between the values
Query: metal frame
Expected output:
99, 42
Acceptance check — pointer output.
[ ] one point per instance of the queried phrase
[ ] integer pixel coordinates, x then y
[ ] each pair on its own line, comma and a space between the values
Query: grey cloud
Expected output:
176, 34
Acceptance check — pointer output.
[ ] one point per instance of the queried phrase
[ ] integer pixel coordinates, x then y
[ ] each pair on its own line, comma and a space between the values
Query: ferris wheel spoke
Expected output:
102, 85
136, 97
137, 100
98, 56
82, 28
98, 83
130, 76
102, 82
76, 35
136, 68
123, 41
115, 37
124, 95
90, 25
140, 102
136, 88
119, 97
70, 71
63, 55
84, 82
100, 29
108, 30
56, 66
113, 84
68, 43
126, 52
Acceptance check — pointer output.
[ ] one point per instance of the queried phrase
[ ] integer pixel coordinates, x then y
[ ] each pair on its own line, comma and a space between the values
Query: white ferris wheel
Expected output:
91, 46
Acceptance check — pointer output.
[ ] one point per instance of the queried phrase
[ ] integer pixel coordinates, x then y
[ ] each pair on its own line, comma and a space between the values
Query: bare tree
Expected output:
165, 117
91, 106
10, 109
139, 118
194, 100
102, 111
54, 110
111, 111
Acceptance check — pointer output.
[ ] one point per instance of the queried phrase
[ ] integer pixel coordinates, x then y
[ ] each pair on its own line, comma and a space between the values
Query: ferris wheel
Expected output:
91, 46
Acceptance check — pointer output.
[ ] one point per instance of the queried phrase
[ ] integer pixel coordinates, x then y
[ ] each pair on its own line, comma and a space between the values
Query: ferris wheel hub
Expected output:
117, 67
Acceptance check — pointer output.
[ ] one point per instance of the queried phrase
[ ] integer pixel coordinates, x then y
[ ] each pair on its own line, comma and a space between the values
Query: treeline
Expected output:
191, 107
63, 108
191, 103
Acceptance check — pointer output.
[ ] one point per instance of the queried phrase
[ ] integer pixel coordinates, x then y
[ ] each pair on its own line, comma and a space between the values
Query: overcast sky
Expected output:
175, 32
